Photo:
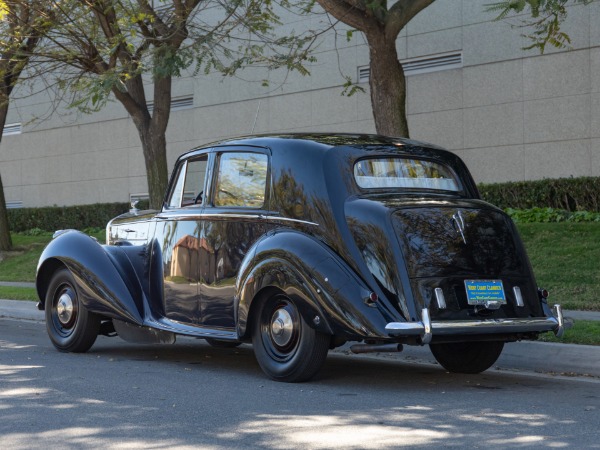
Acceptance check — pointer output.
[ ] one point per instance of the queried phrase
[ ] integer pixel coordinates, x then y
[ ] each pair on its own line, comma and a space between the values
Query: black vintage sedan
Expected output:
299, 244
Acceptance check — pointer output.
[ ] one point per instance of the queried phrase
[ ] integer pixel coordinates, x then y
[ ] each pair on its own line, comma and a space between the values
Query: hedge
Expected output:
58, 218
570, 194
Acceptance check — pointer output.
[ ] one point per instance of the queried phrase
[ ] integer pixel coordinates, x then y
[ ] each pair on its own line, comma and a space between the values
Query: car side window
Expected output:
176, 194
193, 190
241, 180
189, 187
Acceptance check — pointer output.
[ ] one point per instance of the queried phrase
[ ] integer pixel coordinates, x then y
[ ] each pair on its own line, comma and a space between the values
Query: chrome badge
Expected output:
458, 222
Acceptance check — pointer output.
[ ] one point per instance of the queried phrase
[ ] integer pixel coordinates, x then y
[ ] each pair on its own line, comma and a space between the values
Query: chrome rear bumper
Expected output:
426, 329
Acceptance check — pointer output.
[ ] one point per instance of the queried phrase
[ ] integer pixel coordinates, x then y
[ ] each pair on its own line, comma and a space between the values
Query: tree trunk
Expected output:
5, 240
388, 86
154, 146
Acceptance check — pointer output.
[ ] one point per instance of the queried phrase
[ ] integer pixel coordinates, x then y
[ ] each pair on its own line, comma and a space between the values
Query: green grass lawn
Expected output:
566, 261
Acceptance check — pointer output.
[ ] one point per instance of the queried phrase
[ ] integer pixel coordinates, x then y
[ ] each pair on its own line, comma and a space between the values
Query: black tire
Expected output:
219, 343
286, 348
71, 327
467, 357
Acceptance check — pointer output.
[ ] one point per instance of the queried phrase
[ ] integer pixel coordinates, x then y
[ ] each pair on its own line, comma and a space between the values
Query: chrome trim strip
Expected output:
198, 215
557, 311
427, 329
439, 296
518, 296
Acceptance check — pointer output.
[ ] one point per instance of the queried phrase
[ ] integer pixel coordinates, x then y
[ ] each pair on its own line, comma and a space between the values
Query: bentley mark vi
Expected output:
299, 244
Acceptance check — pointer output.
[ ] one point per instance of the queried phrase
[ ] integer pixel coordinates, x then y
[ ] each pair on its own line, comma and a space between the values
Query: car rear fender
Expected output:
106, 279
330, 297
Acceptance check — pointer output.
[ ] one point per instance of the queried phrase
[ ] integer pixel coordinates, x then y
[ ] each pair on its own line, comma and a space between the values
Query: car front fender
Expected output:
328, 294
105, 277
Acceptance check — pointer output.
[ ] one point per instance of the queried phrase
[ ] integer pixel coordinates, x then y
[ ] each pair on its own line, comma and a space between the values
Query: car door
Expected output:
178, 237
234, 218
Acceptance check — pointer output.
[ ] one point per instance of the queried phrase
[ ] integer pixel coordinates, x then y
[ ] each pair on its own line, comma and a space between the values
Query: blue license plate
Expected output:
481, 291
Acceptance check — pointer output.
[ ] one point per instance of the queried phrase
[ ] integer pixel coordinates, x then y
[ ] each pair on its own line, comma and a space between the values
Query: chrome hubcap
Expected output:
282, 327
64, 308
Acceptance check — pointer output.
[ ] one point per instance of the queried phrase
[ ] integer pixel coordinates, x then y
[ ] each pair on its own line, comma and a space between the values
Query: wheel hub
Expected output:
282, 327
64, 308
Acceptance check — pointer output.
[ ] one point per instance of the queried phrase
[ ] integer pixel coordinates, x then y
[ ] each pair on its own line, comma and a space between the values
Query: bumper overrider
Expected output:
426, 328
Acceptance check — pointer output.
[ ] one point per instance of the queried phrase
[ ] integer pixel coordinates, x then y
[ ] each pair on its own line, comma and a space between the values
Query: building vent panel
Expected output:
425, 64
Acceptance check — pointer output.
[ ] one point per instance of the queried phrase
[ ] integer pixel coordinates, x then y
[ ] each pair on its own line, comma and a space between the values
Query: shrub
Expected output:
569, 194
56, 218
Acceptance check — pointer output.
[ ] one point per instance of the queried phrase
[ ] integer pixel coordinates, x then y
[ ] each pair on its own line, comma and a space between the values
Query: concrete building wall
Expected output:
510, 114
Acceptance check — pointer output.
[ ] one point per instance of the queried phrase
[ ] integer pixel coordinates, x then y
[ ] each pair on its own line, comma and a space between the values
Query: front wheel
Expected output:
286, 348
71, 327
467, 357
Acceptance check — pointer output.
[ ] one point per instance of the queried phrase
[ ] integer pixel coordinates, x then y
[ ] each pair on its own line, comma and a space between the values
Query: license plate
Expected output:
482, 291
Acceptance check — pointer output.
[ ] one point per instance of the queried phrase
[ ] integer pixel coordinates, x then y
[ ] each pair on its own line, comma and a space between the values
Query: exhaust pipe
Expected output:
374, 348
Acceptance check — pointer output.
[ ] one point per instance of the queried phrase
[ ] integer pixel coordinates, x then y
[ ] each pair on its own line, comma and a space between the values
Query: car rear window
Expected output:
381, 173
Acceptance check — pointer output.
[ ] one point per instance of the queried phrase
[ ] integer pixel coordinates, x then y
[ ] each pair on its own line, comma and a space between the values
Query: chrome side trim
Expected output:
427, 328
198, 215
518, 296
557, 311
439, 296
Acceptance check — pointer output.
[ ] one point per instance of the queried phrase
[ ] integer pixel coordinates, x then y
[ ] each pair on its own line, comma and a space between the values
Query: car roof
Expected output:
326, 141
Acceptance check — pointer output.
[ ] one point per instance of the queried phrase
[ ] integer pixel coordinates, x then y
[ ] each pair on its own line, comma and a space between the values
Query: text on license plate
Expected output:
479, 291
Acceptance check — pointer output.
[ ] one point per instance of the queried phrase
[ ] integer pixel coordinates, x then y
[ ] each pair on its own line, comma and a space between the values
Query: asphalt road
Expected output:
190, 395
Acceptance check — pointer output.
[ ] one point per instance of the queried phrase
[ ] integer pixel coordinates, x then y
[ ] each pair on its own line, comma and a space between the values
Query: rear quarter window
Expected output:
409, 173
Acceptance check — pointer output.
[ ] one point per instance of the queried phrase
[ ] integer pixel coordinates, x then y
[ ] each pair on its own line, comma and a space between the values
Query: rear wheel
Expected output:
71, 327
286, 348
467, 357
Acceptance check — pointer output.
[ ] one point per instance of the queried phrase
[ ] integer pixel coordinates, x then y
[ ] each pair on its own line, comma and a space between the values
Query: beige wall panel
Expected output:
11, 173
595, 69
558, 75
595, 155
102, 164
14, 194
434, 42
440, 15
492, 42
495, 164
437, 91
112, 134
443, 128
594, 12
595, 115
331, 108
557, 119
289, 111
493, 126
17, 147
48, 170
558, 159
360, 126
492, 84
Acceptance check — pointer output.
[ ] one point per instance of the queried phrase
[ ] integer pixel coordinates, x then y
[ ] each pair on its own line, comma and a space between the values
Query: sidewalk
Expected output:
568, 359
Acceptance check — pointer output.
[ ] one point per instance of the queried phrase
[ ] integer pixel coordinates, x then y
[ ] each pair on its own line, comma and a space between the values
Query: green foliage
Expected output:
544, 26
34, 221
546, 215
570, 194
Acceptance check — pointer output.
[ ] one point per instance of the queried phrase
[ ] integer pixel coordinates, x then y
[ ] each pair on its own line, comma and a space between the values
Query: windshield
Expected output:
404, 173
